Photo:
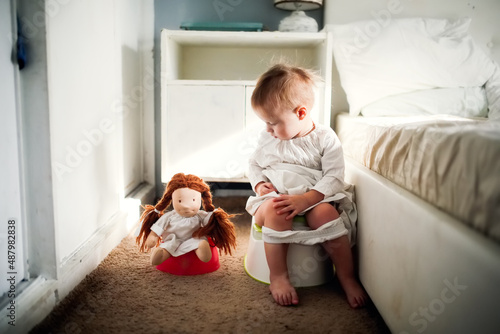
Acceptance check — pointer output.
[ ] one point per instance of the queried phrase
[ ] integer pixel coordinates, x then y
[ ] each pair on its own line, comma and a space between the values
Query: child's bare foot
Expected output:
341, 255
356, 296
283, 292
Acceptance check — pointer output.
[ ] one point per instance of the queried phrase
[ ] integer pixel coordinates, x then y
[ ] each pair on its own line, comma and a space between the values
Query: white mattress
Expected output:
451, 162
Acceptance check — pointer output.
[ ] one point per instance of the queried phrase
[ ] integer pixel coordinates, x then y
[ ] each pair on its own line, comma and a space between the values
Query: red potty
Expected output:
190, 264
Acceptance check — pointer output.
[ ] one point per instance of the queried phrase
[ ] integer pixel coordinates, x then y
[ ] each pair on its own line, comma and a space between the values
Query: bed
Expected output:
422, 147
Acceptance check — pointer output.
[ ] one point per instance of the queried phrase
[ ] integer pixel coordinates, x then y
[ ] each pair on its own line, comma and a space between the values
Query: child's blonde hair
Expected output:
284, 87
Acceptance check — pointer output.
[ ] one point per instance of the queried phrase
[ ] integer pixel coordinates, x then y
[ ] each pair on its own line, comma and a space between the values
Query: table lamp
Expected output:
298, 21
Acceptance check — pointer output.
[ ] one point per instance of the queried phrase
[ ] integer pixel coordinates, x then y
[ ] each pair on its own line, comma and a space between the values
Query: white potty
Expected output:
308, 265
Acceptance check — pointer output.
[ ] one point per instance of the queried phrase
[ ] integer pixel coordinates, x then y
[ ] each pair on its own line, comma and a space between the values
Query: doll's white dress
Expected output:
177, 231
295, 166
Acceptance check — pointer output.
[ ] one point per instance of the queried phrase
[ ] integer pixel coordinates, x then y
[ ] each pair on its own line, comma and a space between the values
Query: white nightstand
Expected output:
208, 126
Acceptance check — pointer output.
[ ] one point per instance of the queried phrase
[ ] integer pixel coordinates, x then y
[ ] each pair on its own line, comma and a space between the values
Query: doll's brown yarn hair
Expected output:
219, 227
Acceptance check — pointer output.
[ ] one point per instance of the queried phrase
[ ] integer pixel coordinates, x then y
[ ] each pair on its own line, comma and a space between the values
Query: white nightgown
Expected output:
177, 231
295, 166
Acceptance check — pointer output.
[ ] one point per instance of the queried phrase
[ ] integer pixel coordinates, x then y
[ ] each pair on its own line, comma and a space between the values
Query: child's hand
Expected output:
264, 188
291, 205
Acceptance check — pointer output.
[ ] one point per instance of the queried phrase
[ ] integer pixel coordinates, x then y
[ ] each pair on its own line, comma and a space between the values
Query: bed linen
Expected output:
451, 162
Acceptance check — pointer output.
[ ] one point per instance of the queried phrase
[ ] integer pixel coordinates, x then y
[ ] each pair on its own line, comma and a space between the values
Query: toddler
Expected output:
298, 169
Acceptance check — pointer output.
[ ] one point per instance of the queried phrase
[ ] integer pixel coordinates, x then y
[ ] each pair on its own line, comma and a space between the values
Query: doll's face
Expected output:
186, 202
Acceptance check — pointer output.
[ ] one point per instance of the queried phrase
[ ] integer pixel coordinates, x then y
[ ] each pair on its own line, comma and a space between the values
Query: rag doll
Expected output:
186, 228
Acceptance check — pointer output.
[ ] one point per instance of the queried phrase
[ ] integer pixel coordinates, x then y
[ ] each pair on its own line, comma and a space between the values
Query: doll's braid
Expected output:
152, 213
219, 227
207, 201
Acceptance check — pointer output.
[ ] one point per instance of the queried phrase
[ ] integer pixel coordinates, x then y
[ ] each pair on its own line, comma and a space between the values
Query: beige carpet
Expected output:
127, 295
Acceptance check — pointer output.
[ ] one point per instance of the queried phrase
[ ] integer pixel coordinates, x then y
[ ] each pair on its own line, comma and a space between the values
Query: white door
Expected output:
12, 266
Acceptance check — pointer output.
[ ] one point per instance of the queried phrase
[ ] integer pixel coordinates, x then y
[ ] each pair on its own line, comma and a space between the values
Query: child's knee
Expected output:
266, 216
321, 214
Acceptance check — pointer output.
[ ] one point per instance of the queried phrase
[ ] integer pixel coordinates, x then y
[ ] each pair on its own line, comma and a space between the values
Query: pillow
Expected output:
492, 88
464, 102
375, 61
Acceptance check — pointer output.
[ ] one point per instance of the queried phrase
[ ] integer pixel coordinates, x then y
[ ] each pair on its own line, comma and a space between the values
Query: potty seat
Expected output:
308, 265
189, 264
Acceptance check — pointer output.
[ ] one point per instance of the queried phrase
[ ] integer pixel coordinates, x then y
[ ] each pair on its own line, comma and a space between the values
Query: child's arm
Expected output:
332, 162
260, 183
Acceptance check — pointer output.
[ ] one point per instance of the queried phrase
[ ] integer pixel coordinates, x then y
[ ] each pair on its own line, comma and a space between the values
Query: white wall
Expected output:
95, 100
85, 131
485, 25
87, 110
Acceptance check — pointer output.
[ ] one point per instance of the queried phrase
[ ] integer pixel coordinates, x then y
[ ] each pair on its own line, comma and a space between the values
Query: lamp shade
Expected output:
298, 5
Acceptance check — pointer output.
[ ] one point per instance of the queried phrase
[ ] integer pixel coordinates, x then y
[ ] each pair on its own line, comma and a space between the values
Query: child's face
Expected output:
186, 201
287, 124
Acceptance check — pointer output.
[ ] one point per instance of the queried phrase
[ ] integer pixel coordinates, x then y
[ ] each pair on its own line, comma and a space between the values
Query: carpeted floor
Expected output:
125, 294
